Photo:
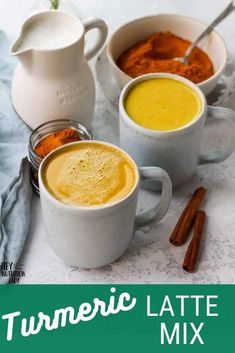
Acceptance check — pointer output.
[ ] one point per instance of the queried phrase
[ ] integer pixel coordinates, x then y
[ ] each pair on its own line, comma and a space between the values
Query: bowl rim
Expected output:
201, 84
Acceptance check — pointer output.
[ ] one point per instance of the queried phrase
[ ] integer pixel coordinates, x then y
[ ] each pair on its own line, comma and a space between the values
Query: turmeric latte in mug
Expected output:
162, 104
90, 174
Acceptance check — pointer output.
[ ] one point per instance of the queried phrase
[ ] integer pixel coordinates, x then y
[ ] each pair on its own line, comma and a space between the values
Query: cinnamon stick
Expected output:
191, 256
181, 230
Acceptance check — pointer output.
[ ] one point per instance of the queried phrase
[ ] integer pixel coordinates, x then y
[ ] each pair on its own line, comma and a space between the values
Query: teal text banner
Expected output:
117, 318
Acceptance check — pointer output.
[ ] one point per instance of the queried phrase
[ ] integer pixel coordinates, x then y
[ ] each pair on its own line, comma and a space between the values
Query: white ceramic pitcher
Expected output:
53, 79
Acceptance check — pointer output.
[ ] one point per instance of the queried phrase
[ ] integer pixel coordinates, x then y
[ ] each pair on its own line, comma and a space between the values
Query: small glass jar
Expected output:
40, 133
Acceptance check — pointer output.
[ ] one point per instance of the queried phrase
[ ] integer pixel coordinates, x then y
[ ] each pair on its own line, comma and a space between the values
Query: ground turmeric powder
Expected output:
156, 54
56, 139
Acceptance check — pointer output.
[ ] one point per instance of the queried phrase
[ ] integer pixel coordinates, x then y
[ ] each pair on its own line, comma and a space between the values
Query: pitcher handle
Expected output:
156, 213
95, 23
220, 155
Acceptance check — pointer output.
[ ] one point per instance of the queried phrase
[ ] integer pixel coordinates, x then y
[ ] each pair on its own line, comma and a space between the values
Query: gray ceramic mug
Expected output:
176, 151
95, 236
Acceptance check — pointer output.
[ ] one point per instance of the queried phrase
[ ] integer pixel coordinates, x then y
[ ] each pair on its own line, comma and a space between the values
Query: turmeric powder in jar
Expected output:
157, 54
56, 139
49, 136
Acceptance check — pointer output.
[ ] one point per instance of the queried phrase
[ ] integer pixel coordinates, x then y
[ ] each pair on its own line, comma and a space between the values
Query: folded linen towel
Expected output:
15, 191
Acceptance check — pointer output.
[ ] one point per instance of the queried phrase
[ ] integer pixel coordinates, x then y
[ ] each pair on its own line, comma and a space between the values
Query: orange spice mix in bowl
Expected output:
156, 54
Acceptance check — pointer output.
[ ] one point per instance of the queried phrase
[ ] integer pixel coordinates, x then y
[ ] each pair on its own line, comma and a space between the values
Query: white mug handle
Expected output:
217, 156
156, 213
95, 23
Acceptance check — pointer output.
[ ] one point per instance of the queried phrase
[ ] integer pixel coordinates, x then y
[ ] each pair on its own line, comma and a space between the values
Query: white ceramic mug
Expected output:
92, 237
176, 151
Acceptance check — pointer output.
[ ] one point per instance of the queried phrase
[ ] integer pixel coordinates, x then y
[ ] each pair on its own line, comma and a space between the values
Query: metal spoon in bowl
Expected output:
229, 9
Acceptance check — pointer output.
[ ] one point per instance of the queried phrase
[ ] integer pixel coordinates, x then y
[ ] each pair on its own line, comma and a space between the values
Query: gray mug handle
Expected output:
222, 154
156, 213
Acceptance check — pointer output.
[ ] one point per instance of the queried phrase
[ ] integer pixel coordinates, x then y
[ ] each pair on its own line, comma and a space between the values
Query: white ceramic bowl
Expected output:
185, 27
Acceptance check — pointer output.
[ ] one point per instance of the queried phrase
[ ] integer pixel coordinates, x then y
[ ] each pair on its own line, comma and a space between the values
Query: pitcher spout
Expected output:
16, 48
24, 54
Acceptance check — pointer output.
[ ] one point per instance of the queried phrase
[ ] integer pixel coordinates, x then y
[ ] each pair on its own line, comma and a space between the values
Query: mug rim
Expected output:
86, 208
151, 132
195, 20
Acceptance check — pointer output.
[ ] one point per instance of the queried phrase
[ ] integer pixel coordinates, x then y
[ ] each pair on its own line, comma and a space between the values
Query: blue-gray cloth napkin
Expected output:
15, 188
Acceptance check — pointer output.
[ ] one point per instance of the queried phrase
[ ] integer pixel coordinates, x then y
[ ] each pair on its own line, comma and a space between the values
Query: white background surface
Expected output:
150, 258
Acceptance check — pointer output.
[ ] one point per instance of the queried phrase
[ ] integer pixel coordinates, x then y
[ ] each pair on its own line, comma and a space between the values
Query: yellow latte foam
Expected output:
90, 174
162, 104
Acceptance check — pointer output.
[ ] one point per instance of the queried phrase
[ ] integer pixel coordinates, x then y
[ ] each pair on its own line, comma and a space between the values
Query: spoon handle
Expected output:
229, 9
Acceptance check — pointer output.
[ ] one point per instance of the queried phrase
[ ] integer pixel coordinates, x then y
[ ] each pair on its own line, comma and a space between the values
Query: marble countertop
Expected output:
150, 258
